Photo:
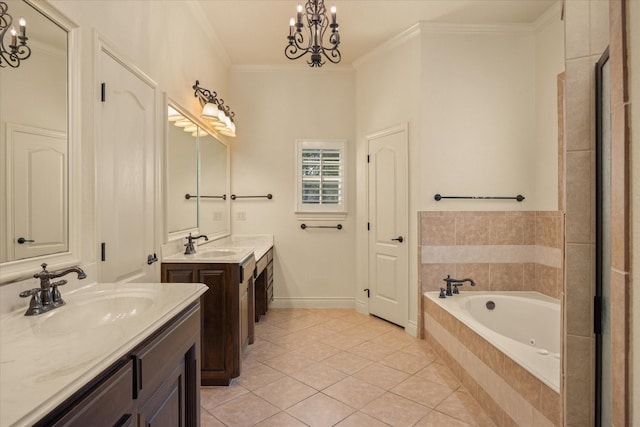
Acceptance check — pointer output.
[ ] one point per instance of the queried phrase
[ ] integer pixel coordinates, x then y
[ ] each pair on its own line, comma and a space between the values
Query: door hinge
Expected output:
103, 92
597, 314
103, 251
367, 291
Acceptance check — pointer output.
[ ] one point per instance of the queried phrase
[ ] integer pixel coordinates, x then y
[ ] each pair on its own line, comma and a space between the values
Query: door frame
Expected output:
402, 127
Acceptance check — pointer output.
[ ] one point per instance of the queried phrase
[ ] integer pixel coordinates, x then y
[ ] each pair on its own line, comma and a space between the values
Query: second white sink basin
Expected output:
95, 312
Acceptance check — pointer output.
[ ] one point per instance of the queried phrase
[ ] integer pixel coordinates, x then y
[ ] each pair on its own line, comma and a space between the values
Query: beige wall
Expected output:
387, 95
274, 107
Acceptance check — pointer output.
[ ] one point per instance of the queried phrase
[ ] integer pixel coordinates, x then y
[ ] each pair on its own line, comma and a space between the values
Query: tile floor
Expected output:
336, 367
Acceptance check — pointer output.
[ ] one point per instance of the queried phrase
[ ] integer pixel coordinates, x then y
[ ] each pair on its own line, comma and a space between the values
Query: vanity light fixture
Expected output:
214, 110
316, 20
18, 49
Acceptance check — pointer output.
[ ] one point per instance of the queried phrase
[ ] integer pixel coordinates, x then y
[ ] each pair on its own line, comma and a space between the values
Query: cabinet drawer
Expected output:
270, 273
269, 255
247, 269
110, 404
261, 265
152, 363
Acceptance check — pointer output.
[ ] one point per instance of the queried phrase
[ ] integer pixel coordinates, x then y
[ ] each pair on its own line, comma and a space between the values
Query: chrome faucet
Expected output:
190, 248
454, 283
47, 296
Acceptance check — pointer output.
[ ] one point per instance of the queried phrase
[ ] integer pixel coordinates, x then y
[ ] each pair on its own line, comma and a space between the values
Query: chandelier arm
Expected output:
317, 23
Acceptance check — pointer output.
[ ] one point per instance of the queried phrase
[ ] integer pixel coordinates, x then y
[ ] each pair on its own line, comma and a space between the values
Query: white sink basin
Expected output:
219, 253
90, 312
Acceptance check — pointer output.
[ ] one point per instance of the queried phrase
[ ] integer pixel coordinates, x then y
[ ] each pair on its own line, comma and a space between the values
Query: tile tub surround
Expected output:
500, 251
509, 393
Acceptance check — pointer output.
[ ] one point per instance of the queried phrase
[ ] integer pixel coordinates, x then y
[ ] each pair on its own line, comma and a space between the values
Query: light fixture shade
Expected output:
228, 132
191, 128
211, 112
200, 132
183, 123
173, 115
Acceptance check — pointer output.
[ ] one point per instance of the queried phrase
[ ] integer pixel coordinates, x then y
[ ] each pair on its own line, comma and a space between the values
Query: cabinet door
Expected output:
217, 350
182, 274
166, 408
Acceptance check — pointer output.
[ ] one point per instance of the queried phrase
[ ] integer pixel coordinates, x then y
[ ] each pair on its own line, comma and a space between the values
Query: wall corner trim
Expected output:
401, 38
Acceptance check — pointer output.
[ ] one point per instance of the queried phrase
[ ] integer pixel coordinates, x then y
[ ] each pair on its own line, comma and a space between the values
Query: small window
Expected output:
320, 176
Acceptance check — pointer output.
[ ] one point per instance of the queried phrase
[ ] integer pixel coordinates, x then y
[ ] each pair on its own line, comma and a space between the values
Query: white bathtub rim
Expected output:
548, 371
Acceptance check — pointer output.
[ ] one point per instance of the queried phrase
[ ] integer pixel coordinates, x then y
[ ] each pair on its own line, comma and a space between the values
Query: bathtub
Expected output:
523, 325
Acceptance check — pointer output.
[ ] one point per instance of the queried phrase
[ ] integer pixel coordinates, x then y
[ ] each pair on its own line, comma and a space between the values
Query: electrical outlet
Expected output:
241, 216
217, 216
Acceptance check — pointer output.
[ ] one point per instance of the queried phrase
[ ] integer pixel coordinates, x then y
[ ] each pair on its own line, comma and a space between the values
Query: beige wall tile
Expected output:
619, 93
492, 408
579, 383
620, 363
619, 190
579, 80
432, 275
472, 230
438, 230
507, 277
579, 193
479, 273
522, 381
599, 16
550, 405
546, 281
506, 230
576, 28
548, 231
579, 289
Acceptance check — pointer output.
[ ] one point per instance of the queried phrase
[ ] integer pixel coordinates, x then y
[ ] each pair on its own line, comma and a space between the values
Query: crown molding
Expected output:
446, 28
390, 44
299, 67
548, 17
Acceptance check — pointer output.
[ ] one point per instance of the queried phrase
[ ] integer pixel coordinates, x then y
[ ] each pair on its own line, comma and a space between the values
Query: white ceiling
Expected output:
254, 32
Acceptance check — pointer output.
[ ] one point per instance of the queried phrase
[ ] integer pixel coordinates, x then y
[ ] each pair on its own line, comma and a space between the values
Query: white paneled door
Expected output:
388, 225
126, 159
39, 191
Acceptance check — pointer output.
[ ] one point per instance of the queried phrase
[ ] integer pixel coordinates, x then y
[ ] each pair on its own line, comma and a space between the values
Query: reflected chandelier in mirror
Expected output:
17, 51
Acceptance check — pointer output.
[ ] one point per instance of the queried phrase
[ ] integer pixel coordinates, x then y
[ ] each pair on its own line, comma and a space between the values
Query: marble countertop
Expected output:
44, 359
232, 249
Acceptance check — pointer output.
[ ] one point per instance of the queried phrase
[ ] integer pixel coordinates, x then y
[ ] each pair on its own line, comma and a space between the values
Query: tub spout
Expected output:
454, 283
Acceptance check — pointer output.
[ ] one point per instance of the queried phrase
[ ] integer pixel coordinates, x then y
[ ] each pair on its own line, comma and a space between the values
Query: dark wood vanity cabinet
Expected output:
157, 383
264, 284
227, 314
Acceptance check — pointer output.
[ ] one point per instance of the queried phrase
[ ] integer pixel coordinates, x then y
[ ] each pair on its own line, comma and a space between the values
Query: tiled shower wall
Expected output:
500, 251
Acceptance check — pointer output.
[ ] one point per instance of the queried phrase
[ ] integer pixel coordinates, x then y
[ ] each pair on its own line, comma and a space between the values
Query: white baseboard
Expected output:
362, 306
411, 328
313, 303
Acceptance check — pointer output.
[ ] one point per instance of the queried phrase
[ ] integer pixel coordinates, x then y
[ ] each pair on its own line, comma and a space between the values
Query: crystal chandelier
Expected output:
18, 49
314, 17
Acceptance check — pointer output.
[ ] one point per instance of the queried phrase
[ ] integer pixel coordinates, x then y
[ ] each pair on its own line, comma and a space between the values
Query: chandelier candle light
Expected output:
213, 109
16, 52
317, 22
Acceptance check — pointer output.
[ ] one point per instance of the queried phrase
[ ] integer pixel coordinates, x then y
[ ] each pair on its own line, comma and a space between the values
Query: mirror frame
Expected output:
178, 235
21, 269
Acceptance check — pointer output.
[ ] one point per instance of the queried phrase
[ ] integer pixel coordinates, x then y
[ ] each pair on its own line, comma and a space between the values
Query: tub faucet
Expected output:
454, 283
190, 248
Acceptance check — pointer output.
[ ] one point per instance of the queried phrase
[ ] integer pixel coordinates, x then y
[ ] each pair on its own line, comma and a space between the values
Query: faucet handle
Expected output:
442, 293
35, 305
56, 297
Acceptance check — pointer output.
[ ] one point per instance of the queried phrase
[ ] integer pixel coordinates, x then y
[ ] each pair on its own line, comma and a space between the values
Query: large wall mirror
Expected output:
38, 188
198, 179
